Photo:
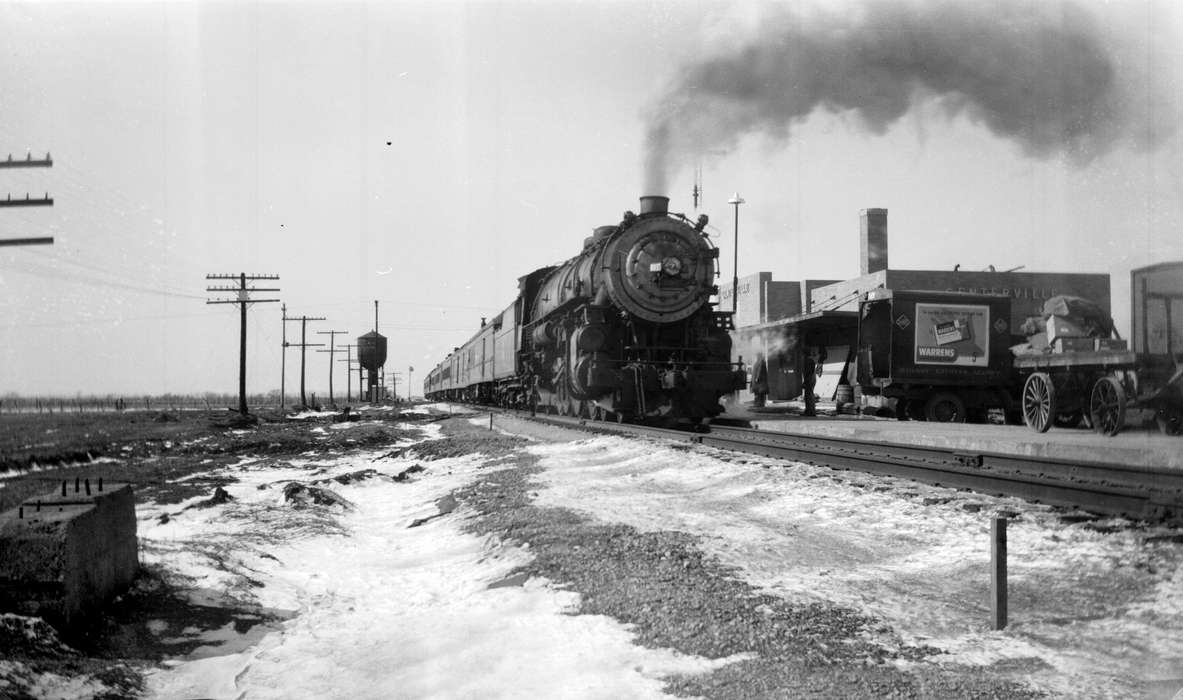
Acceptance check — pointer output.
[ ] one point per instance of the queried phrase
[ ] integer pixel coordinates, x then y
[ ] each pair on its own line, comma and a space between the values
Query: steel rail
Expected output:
1142, 493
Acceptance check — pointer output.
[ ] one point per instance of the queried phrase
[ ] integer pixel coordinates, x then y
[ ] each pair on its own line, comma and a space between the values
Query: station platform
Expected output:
1141, 447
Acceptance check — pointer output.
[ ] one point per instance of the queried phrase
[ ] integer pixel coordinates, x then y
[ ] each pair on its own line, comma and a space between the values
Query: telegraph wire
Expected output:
336, 305
124, 266
112, 321
93, 268
68, 277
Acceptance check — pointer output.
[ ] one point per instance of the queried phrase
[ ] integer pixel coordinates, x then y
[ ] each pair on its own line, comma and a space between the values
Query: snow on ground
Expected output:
51, 686
1088, 609
380, 610
35, 467
305, 415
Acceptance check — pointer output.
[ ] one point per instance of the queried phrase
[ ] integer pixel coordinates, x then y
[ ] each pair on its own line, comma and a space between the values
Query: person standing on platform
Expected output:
809, 381
759, 381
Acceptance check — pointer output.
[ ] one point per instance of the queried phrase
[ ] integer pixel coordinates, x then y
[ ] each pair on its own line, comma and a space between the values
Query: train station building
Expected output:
778, 322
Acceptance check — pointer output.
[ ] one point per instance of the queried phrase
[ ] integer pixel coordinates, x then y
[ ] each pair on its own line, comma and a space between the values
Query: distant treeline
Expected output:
12, 403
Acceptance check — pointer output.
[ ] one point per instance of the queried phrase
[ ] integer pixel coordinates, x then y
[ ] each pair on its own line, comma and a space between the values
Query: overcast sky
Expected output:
428, 154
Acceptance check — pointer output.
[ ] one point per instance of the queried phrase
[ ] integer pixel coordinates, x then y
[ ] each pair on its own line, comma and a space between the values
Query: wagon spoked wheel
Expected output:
1107, 406
1039, 402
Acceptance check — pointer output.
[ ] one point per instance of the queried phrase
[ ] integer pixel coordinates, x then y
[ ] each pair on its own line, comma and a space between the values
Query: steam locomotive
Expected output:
624, 330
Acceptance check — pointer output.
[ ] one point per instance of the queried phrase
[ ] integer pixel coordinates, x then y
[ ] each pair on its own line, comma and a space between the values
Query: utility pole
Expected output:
394, 385
8, 201
243, 293
303, 344
735, 200
283, 357
332, 349
348, 373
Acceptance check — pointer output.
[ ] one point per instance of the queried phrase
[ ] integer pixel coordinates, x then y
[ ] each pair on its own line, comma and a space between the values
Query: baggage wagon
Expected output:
1102, 386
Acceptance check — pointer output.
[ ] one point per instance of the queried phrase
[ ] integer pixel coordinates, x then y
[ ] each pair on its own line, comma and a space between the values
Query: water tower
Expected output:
371, 355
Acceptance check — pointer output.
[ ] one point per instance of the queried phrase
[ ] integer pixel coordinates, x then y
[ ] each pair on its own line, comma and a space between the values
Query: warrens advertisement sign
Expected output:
952, 334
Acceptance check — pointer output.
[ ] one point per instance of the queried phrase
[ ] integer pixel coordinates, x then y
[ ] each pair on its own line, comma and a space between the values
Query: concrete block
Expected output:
63, 554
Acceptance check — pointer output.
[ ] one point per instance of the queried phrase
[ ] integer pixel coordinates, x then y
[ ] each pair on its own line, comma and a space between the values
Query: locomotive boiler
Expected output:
626, 328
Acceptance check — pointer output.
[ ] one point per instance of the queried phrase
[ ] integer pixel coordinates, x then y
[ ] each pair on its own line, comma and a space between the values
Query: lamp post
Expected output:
736, 200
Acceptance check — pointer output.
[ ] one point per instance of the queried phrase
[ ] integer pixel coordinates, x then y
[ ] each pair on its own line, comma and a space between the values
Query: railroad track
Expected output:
1142, 493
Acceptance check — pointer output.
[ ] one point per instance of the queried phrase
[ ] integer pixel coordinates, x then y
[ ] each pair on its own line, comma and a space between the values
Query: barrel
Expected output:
844, 394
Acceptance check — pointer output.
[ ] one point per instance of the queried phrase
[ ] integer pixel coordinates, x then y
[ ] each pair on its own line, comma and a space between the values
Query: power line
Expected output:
94, 321
100, 270
52, 274
409, 303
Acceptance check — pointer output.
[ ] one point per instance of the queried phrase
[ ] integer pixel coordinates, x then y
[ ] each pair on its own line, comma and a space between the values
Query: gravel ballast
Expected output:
673, 596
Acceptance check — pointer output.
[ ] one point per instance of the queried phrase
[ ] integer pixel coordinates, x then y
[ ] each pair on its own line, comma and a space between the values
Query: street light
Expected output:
736, 200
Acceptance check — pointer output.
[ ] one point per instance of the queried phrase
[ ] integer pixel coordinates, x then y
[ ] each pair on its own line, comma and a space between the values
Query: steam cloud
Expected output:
1037, 73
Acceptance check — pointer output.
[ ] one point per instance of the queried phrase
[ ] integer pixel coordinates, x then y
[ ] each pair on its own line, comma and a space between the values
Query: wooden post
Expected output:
490, 420
998, 573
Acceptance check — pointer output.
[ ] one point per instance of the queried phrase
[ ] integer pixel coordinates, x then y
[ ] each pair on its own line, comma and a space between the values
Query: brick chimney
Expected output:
872, 241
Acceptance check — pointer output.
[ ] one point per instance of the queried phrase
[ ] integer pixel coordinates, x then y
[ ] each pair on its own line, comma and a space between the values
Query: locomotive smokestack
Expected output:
654, 204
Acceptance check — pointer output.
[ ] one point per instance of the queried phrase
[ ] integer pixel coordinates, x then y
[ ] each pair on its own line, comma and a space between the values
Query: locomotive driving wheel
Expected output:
1107, 406
1039, 402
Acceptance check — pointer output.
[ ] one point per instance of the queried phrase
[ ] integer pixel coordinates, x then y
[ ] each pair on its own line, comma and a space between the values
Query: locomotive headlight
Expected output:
671, 266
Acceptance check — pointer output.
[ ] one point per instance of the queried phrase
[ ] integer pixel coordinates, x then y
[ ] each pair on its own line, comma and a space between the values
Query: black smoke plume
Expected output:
1037, 73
